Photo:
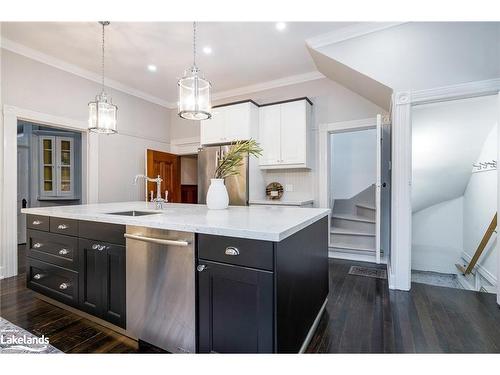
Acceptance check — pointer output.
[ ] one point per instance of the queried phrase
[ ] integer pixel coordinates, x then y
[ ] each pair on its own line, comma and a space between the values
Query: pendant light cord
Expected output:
102, 66
194, 44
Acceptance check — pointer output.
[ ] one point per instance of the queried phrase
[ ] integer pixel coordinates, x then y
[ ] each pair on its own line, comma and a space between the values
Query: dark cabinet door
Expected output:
114, 285
235, 309
90, 277
102, 280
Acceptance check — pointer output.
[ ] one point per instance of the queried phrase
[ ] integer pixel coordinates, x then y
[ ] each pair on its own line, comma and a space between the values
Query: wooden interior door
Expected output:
168, 166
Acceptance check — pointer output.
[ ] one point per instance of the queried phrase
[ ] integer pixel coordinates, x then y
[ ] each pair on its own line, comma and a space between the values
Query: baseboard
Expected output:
354, 257
390, 276
310, 334
481, 270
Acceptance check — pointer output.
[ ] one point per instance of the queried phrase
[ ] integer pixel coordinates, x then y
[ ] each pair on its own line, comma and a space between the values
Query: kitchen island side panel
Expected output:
301, 284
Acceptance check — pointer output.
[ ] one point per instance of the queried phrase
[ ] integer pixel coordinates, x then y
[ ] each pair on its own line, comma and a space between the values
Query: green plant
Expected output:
228, 165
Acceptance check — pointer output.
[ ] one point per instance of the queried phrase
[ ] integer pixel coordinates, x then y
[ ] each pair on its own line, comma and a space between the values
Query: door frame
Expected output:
399, 264
8, 173
325, 158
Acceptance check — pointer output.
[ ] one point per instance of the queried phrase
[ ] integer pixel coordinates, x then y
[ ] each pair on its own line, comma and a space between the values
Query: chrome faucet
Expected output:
158, 200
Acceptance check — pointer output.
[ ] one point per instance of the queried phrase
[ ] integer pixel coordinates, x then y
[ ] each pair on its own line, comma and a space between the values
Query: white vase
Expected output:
217, 197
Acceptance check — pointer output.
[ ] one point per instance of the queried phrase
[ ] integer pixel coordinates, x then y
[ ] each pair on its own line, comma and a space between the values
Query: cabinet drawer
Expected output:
53, 281
38, 222
64, 226
238, 251
53, 248
112, 233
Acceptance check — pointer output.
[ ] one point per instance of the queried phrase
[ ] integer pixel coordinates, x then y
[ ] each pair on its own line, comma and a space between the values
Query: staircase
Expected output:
353, 225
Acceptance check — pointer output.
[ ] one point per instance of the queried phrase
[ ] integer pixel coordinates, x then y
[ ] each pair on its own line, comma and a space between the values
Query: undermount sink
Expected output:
133, 213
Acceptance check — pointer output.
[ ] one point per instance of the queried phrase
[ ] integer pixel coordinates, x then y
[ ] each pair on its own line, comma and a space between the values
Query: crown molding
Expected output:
281, 82
33, 54
349, 32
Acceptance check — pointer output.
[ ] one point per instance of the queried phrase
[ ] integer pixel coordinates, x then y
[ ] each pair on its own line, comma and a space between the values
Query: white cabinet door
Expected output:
293, 132
269, 135
237, 122
213, 130
65, 166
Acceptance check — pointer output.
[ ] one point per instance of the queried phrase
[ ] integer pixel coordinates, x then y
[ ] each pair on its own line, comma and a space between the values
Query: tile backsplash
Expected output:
301, 181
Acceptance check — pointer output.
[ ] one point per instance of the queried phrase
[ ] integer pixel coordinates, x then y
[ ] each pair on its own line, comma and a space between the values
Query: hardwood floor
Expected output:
362, 316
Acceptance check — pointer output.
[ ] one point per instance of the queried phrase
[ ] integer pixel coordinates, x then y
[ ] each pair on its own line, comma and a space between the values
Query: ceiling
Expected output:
243, 53
447, 138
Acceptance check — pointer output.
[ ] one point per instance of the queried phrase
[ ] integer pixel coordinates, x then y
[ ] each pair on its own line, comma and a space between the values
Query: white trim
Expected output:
349, 32
458, 91
352, 256
281, 82
185, 146
481, 270
8, 155
402, 167
33, 54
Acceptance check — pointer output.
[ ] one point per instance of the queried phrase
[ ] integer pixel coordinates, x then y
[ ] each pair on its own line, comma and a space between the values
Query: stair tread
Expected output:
367, 206
336, 230
340, 245
353, 218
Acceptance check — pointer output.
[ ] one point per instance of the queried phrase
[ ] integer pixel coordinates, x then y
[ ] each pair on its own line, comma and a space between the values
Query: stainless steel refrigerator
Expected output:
237, 186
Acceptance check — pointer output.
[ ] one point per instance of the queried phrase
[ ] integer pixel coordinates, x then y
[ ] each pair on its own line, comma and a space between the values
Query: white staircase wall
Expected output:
480, 204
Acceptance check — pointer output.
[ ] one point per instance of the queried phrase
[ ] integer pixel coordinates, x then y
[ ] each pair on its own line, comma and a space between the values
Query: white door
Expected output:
213, 130
378, 187
269, 135
237, 122
293, 132
22, 191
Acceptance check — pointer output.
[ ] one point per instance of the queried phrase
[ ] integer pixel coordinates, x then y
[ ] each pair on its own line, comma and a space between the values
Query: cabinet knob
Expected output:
37, 276
233, 251
63, 252
201, 268
37, 245
63, 286
62, 226
37, 222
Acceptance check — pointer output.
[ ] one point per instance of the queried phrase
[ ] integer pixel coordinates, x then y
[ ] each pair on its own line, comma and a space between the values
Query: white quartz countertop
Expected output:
254, 222
279, 202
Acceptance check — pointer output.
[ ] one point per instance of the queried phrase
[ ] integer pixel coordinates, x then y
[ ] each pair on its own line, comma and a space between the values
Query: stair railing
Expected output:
482, 245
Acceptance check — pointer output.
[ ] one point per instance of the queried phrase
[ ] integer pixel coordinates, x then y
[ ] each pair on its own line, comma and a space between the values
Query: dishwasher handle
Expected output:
159, 241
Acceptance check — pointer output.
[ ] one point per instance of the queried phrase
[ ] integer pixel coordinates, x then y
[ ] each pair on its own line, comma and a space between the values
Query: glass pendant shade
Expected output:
102, 115
194, 96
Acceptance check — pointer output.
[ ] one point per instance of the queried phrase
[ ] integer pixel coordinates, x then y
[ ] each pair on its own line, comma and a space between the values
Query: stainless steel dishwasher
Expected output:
161, 288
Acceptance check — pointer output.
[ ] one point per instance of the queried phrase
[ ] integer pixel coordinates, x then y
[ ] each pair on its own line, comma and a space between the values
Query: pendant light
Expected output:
102, 112
194, 91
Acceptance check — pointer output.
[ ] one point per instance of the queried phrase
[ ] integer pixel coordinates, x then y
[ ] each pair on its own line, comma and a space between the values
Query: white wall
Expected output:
437, 240
354, 166
32, 85
421, 55
332, 103
480, 204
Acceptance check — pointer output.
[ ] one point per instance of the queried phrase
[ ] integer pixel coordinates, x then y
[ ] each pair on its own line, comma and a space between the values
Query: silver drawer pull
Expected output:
37, 245
95, 246
101, 247
201, 268
37, 276
37, 222
232, 251
63, 252
62, 226
63, 286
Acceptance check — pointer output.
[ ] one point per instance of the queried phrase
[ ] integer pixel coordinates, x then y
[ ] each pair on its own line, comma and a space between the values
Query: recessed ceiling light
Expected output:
152, 68
207, 50
280, 26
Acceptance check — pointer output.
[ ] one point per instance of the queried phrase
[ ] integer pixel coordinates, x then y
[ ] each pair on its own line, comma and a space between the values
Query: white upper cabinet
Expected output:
231, 123
285, 135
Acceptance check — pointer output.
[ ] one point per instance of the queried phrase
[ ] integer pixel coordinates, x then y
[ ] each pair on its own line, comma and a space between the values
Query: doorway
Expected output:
454, 192
49, 172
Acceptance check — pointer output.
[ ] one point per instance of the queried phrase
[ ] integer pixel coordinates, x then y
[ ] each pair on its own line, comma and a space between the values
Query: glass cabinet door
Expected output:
65, 166
47, 157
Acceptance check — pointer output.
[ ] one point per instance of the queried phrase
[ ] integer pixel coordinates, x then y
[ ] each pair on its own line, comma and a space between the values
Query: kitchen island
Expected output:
185, 278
